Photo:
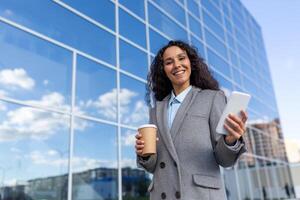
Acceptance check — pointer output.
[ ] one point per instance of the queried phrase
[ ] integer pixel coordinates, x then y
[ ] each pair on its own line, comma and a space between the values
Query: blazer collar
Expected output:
168, 136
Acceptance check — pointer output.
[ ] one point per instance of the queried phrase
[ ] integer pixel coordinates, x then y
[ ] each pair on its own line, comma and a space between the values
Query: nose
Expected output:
177, 63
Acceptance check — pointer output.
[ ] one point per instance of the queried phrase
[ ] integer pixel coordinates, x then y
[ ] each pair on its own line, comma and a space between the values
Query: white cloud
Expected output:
128, 139
138, 115
15, 150
127, 162
8, 12
2, 106
3, 93
26, 122
53, 159
107, 103
16, 78
45, 82
133, 112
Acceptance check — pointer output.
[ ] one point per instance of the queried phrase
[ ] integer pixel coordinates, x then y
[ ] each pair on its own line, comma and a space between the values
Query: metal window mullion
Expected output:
119, 155
147, 33
187, 22
203, 33
71, 142
237, 180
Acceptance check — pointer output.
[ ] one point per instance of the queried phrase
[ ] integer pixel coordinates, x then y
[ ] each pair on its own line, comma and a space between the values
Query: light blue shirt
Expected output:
174, 104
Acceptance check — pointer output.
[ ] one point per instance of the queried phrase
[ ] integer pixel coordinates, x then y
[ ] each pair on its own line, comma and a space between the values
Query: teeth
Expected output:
179, 72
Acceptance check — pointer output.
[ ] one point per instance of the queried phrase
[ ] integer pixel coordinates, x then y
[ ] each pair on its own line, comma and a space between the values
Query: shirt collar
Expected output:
180, 97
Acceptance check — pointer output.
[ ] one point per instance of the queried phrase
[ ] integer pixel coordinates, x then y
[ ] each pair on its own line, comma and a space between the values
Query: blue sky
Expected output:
280, 25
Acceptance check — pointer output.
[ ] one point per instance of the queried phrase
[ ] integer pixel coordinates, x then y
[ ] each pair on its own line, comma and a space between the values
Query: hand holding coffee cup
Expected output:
146, 140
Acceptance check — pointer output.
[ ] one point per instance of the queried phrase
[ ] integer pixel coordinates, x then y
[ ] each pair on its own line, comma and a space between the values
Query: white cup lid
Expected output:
147, 126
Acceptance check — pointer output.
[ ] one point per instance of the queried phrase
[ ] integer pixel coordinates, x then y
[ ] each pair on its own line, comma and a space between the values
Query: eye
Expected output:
168, 62
182, 58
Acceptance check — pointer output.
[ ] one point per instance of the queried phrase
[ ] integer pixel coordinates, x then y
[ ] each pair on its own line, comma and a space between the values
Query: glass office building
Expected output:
72, 85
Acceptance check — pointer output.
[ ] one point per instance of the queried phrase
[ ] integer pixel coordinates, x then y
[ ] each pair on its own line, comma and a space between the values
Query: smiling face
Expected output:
177, 67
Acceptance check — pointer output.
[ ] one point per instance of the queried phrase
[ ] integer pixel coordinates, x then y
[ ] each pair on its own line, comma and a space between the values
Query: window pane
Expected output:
215, 43
134, 181
218, 63
213, 25
195, 26
231, 184
199, 46
102, 11
34, 153
156, 41
193, 8
42, 72
96, 93
225, 84
243, 178
69, 29
165, 24
95, 174
133, 60
171, 7
213, 10
137, 30
136, 6
134, 111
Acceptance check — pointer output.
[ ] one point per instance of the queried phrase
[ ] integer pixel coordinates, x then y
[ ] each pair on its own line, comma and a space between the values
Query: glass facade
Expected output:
72, 85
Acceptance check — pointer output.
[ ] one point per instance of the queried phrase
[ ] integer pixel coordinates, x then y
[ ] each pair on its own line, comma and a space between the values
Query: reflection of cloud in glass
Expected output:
45, 82
53, 158
138, 115
2, 105
8, 12
127, 162
28, 122
3, 93
128, 139
16, 78
106, 106
15, 150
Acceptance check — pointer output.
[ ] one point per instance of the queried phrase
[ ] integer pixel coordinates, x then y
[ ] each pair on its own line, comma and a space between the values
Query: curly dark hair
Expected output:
159, 83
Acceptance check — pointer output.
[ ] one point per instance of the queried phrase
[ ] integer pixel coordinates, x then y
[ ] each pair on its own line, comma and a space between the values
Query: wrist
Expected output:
230, 141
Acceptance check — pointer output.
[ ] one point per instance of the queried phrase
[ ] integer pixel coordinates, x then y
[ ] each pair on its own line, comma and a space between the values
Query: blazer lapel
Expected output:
162, 122
181, 113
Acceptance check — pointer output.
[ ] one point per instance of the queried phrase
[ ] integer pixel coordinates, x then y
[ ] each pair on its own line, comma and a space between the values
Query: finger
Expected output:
236, 119
138, 136
139, 152
232, 132
139, 142
244, 116
139, 147
235, 125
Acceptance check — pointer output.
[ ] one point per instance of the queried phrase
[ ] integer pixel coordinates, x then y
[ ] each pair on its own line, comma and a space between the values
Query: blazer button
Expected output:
177, 195
162, 165
163, 195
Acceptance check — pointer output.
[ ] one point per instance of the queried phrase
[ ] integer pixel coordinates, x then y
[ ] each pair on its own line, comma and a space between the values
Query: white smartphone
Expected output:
236, 102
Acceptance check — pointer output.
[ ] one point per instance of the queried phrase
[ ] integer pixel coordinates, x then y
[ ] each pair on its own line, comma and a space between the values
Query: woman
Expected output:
188, 106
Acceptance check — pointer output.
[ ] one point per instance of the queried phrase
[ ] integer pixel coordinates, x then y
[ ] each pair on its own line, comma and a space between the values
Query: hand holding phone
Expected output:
236, 102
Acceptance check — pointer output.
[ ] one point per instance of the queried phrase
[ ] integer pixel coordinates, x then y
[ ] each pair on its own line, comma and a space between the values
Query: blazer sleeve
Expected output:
225, 155
148, 163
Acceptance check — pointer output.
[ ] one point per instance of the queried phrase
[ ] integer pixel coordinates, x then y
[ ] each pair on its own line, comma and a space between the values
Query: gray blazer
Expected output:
186, 165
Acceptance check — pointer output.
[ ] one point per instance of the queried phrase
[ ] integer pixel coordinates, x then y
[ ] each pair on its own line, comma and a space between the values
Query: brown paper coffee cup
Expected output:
148, 132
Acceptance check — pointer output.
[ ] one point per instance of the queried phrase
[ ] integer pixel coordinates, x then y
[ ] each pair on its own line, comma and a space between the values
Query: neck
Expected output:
179, 88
